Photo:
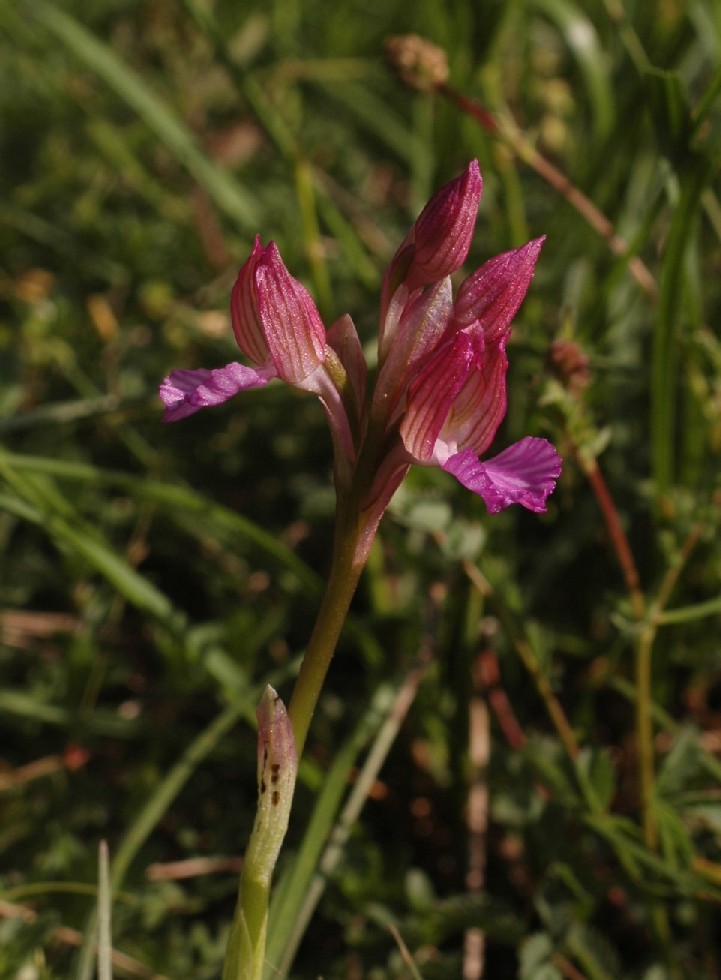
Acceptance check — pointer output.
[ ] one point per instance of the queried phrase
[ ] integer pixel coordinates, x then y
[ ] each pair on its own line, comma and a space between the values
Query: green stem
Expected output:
245, 956
341, 586
644, 735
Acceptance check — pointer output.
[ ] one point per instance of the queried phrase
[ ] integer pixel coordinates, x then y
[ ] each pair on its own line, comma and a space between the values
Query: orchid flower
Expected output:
457, 400
442, 374
279, 329
440, 394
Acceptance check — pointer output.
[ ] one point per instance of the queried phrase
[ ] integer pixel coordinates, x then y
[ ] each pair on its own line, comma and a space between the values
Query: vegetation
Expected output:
515, 767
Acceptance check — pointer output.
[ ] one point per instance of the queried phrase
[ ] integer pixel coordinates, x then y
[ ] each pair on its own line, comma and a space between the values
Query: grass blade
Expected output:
227, 195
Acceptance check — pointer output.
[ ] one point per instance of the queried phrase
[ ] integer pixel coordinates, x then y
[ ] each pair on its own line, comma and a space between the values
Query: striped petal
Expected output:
185, 392
524, 474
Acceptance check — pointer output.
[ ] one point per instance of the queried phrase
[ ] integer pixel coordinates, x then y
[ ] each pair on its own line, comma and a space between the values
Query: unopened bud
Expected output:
277, 771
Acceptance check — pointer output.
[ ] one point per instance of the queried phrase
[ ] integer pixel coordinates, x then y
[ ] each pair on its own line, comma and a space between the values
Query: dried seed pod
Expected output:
568, 362
419, 63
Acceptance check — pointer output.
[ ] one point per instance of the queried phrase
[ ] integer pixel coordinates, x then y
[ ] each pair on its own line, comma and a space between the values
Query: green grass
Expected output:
153, 579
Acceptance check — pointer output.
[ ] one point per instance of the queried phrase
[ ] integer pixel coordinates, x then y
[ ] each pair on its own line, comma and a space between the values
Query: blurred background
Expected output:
519, 741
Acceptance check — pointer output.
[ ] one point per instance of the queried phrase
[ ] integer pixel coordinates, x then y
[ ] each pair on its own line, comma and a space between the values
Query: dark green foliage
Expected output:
153, 578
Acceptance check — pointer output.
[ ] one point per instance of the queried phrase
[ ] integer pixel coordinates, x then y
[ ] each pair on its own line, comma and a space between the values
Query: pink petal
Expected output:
247, 327
386, 480
184, 392
481, 404
432, 392
291, 322
491, 296
438, 242
423, 322
444, 228
525, 474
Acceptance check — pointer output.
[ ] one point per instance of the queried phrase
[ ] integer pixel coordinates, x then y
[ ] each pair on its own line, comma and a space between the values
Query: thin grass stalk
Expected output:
173, 497
105, 899
505, 129
665, 350
533, 666
644, 736
313, 245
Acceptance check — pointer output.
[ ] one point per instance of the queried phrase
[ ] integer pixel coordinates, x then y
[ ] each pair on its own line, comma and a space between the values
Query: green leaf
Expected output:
580, 35
676, 845
681, 765
551, 769
670, 113
596, 768
535, 958
591, 949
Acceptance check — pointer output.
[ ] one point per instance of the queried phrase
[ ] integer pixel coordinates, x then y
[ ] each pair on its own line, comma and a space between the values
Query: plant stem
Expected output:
245, 956
644, 735
532, 664
643, 647
616, 532
342, 582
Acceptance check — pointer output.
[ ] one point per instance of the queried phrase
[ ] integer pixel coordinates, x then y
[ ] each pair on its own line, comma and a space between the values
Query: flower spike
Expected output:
440, 393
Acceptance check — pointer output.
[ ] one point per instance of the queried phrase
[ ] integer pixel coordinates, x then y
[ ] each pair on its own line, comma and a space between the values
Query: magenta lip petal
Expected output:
524, 474
185, 392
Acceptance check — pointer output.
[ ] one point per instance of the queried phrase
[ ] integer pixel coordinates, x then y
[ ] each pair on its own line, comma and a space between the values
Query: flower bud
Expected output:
438, 242
277, 771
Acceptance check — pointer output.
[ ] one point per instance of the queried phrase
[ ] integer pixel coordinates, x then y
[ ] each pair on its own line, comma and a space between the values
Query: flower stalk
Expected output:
343, 579
438, 400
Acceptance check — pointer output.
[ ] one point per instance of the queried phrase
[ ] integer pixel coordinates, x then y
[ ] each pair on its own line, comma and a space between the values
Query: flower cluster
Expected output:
440, 391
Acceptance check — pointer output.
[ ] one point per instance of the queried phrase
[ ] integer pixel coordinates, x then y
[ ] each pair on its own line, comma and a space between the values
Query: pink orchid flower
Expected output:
442, 373
279, 329
440, 394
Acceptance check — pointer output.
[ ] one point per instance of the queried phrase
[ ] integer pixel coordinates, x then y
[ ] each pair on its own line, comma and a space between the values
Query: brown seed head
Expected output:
567, 362
419, 63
